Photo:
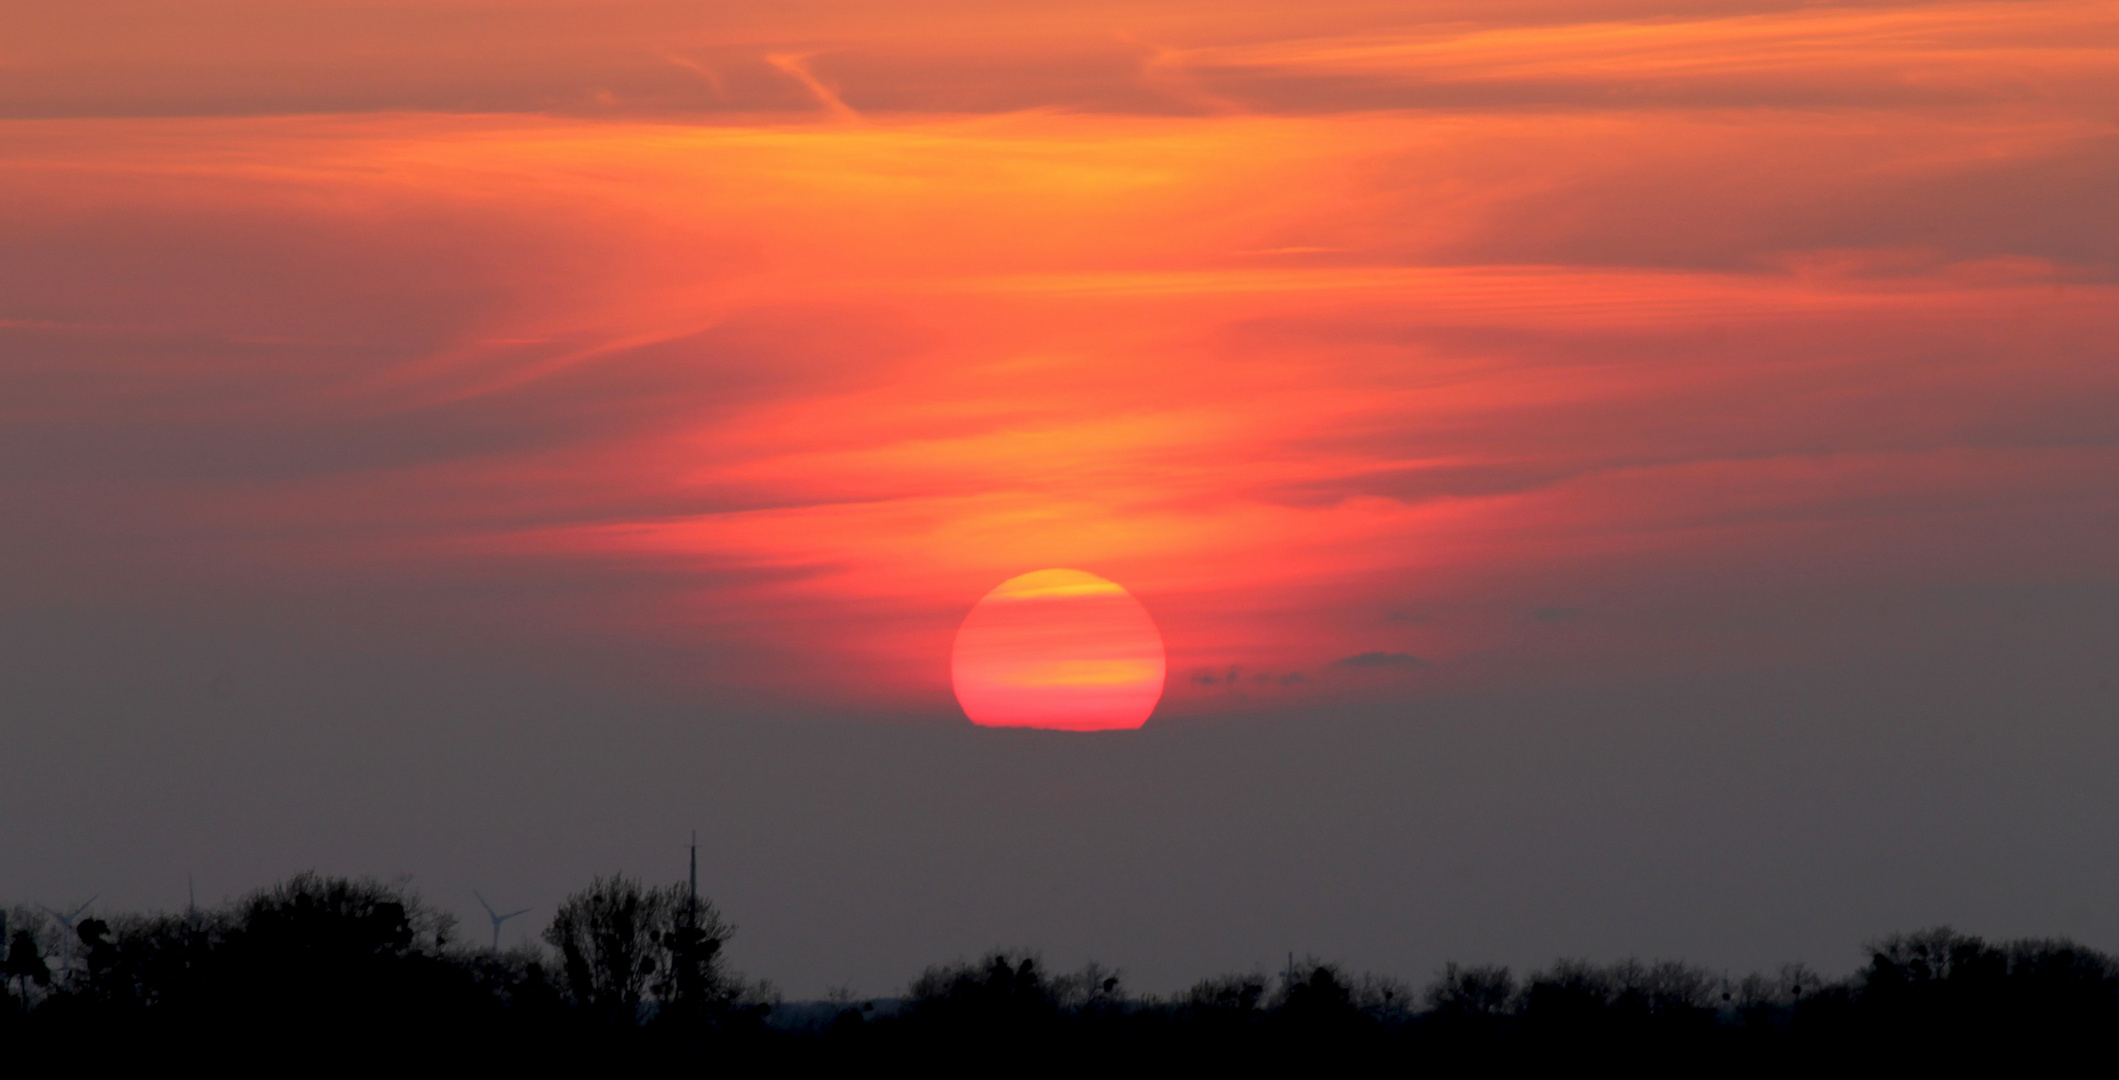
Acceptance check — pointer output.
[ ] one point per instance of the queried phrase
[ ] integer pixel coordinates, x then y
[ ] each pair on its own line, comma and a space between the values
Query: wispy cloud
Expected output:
796, 65
1459, 316
1382, 660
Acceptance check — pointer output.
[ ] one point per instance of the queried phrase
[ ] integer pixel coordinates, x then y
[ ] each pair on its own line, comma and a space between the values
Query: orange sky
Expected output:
1379, 349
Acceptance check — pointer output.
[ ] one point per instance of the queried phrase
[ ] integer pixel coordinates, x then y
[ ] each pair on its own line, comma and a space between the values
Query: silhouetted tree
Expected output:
99, 954
320, 957
1566, 1002
1003, 990
1318, 999
691, 985
1316, 1020
25, 963
1479, 995
2019, 1001
1666, 995
1221, 1021
1095, 990
971, 1015
360, 967
2059, 986
624, 946
1227, 996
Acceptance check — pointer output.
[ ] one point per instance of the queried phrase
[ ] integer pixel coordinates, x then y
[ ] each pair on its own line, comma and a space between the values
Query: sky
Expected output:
1624, 477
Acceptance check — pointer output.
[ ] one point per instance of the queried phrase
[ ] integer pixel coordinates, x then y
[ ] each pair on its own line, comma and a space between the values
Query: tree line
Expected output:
330, 970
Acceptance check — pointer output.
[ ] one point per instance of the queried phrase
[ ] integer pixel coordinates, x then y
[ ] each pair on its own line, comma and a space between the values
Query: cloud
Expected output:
1383, 660
1345, 346
240, 57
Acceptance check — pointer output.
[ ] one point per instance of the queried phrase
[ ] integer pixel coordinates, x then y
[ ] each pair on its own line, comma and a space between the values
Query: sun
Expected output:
1059, 649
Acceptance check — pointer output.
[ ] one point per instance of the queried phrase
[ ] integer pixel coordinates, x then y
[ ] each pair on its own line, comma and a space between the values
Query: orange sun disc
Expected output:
1058, 649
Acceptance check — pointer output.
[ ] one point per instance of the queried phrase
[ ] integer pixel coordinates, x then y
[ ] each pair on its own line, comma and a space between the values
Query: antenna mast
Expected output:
695, 870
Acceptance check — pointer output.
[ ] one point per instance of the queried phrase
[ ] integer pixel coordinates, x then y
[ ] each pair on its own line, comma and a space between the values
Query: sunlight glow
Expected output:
1059, 649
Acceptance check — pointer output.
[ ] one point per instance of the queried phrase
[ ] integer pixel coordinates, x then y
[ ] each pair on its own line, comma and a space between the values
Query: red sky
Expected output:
1614, 477
1380, 349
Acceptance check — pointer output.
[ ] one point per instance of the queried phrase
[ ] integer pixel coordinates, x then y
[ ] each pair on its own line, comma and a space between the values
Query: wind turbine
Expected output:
497, 917
66, 919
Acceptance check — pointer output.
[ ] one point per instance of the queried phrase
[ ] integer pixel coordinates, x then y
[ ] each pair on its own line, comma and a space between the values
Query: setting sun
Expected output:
1059, 649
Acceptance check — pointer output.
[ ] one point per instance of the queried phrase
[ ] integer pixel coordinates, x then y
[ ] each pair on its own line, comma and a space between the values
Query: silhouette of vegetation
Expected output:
336, 970
633, 954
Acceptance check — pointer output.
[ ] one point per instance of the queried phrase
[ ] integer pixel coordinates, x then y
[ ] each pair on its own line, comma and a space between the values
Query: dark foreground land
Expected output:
332, 974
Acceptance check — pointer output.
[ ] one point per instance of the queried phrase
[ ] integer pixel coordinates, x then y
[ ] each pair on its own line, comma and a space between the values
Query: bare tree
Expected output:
625, 946
26, 949
1481, 993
